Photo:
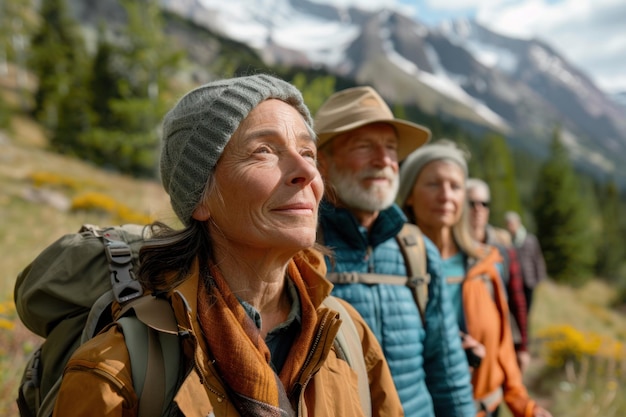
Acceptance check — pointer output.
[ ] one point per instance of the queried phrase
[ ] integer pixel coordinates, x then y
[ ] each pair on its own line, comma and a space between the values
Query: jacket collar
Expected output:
386, 226
488, 256
309, 262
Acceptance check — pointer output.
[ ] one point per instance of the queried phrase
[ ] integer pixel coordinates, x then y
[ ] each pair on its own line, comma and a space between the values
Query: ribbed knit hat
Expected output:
198, 127
417, 160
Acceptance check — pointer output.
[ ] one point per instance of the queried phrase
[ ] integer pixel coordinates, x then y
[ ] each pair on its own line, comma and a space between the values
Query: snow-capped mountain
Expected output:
591, 117
521, 88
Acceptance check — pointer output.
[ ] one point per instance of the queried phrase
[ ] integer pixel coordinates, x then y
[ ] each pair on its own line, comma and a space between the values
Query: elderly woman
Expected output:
246, 287
432, 194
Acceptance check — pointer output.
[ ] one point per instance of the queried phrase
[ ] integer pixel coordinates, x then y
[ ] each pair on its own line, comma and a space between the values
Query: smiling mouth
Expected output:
296, 208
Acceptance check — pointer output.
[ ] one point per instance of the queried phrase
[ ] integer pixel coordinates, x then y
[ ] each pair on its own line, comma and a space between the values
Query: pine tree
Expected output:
73, 117
58, 60
125, 137
104, 83
611, 251
498, 171
562, 219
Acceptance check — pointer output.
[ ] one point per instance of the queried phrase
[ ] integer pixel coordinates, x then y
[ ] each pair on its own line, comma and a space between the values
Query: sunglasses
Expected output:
475, 204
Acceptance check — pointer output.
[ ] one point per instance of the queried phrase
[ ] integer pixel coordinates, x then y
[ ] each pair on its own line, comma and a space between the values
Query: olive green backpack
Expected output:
66, 296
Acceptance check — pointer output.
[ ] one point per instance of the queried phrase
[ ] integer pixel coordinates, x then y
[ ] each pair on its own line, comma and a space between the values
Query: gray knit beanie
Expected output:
413, 164
198, 127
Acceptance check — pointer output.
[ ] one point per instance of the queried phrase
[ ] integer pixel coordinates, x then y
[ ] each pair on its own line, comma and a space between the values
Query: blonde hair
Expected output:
462, 234
444, 149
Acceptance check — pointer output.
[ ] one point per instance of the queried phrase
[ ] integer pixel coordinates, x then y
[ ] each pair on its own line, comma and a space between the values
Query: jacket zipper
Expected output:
196, 367
371, 268
299, 386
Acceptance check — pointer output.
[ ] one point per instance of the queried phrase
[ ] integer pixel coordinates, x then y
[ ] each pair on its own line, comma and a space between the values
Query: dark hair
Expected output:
167, 257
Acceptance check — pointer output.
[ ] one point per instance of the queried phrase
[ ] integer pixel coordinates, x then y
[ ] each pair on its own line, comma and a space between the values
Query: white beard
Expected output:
351, 192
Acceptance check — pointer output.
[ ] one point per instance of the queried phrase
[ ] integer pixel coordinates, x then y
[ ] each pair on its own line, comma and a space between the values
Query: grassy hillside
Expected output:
35, 189
575, 326
30, 176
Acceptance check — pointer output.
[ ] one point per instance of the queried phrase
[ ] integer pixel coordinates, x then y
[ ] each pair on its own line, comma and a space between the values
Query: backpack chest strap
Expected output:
365, 278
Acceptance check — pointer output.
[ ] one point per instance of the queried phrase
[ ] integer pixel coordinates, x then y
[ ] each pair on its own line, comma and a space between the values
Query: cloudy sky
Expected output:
589, 33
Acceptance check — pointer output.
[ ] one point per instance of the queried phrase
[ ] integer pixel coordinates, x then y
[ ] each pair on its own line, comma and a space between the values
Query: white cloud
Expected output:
589, 33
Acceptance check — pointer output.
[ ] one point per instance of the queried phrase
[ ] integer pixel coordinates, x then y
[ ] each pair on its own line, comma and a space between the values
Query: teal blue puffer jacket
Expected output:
427, 362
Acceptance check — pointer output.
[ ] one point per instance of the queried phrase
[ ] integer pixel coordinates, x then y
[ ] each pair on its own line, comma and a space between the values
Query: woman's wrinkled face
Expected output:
438, 195
268, 187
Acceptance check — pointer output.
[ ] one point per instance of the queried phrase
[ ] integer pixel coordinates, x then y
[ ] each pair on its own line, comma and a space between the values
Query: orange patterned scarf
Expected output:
241, 356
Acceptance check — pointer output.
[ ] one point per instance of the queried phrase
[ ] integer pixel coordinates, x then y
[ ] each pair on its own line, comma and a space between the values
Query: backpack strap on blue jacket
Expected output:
413, 248
411, 241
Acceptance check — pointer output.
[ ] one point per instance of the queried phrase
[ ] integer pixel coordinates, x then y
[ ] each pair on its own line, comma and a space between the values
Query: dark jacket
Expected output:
513, 281
531, 260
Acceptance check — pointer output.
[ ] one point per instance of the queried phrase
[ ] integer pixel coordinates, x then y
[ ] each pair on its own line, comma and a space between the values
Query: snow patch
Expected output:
440, 80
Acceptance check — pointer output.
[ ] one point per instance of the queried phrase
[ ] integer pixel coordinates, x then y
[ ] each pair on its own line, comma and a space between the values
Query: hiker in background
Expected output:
361, 144
239, 164
479, 198
432, 193
530, 256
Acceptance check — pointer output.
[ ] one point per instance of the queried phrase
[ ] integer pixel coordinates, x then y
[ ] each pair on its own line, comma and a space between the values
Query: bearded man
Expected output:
360, 147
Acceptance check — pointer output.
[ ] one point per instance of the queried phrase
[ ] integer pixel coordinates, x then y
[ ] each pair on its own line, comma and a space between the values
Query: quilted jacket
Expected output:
427, 362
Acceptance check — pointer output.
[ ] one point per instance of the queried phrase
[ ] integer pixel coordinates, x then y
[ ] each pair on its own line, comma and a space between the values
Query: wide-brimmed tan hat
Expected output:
355, 107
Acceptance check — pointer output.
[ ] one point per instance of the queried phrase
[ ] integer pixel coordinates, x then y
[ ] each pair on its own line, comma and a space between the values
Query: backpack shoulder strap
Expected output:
411, 242
152, 341
46, 407
350, 343
413, 249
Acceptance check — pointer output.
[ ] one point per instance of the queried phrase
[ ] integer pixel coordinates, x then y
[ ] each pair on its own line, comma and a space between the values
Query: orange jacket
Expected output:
487, 316
98, 381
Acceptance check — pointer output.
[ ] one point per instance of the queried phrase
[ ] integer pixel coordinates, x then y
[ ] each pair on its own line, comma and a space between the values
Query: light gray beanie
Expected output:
413, 164
198, 127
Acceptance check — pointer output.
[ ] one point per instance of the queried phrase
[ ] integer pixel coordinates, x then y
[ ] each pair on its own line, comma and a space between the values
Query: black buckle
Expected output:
125, 286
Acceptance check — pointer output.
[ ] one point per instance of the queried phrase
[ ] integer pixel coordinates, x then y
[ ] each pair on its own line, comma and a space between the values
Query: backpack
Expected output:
66, 295
69, 293
411, 242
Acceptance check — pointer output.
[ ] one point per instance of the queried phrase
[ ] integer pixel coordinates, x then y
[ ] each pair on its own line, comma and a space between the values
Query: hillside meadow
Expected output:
579, 359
